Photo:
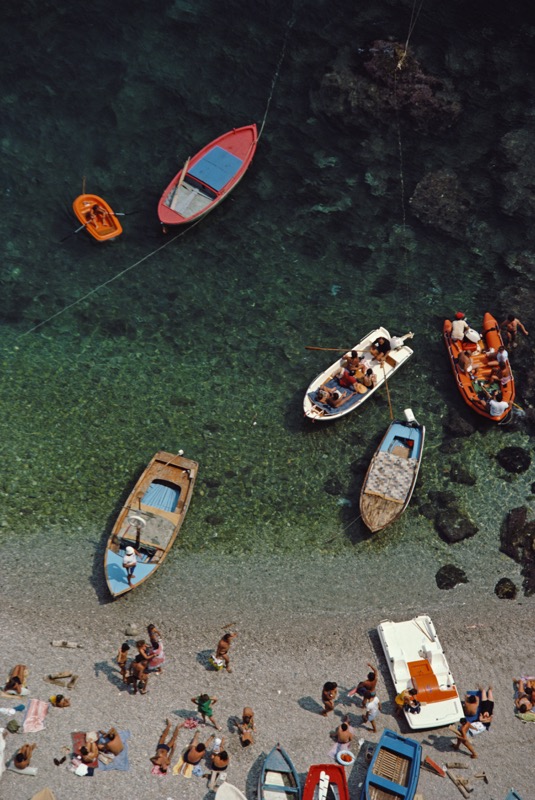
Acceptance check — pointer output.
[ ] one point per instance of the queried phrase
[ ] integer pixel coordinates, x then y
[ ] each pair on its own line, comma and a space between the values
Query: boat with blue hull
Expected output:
278, 778
392, 473
394, 769
150, 520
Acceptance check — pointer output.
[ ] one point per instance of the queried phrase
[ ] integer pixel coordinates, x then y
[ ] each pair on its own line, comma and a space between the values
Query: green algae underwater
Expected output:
202, 347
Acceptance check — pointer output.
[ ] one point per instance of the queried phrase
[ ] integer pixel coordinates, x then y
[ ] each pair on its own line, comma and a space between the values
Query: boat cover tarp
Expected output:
216, 168
391, 476
163, 497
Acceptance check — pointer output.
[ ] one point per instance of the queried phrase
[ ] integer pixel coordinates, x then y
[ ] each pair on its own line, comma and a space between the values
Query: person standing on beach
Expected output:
139, 674
122, 659
462, 736
329, 694
204, 705
369, 684
223, 648
129, 563
372, 704
157, 656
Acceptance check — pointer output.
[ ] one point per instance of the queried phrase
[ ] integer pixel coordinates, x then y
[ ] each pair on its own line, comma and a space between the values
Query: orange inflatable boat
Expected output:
482, 375
97, 217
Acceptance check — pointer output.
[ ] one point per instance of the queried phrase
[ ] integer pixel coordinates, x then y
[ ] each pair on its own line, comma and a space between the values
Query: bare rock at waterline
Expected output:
505, 589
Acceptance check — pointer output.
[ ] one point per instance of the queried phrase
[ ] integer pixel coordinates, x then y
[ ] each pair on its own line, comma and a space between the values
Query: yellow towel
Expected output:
183, 768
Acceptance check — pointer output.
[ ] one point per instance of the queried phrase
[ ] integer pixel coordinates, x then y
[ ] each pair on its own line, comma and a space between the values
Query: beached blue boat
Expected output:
278, 777
392, 474
394, 769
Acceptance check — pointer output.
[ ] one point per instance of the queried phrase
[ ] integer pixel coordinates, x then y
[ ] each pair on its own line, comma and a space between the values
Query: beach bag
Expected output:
216, 663
477, 727
13, 726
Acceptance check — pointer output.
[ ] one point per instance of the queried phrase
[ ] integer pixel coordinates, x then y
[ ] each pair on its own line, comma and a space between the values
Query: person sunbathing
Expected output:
113, 743
195, 752
165, 751
16, 680
89, 752
332, 397
23, 756
486, 707
59, 701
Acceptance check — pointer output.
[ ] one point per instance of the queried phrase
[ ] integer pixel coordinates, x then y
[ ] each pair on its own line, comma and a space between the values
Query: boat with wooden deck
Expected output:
399, 353
394, 769
207, 178
97, 217
483, 356
326, 782
392, 473
416, 659
150, 520
278, 779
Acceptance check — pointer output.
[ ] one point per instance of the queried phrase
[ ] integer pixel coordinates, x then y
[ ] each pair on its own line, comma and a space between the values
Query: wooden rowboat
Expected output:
97, 217
481, 353
394, 769
392, 473
150, 520
321, 412
207, 178
278, 779
326, 782
416, 660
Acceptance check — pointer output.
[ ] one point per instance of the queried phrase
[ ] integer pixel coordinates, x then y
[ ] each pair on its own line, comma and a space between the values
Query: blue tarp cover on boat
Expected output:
216, 168
161, 496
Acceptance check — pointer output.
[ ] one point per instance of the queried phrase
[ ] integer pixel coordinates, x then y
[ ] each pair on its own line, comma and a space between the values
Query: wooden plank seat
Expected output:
392, 767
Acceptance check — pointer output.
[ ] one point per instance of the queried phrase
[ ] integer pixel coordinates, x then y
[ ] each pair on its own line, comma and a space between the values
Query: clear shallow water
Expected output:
201, 347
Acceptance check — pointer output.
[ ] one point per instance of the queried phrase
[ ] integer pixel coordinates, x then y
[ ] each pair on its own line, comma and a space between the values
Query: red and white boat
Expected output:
208, 177
326, 782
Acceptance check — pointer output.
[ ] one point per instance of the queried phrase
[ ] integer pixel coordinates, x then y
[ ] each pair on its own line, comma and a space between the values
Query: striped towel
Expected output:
35, 716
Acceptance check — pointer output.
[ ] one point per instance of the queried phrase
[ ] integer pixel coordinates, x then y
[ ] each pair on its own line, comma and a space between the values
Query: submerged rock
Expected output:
333, 486
518, 542
458, 426
505, 589
440, 201
454, 526
450, 576
459, 474
514, 459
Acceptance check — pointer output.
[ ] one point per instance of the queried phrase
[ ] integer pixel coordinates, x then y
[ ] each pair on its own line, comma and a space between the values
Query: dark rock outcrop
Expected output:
505, 589
514, 459
454, 525
450, 576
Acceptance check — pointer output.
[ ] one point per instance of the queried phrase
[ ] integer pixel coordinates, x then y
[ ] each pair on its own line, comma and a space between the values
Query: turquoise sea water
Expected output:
202, 345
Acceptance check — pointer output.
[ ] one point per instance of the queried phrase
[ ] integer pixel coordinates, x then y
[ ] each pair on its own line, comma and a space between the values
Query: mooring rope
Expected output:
289, 26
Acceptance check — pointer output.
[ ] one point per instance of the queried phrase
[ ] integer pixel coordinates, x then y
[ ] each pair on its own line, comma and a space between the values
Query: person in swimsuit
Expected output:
204, 705
380, 348
195, 751
369, 684
89, 752
486, 707
462, 736
157, 656
164, 752
16, 680
113, 743
332, 397
329, 694
23, 756
512, 325
246, 727
223, 647
122, 659
59, 701
343, 733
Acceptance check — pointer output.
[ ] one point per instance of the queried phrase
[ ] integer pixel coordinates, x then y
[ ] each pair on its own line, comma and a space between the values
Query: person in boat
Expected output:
462, 736
380, 348
129, 563
496, 405
406, 701
23, 756
246, 727
98, 214
512, 325
464, 362
369, 684
347, 379
329, 693
165, 750
501, 357
351, 360
112, 742
459, 327
501, 374
332, 397
17, 679
369, 379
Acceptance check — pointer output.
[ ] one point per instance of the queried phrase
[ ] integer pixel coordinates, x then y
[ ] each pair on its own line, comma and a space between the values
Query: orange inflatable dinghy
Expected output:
483, 367
97, 217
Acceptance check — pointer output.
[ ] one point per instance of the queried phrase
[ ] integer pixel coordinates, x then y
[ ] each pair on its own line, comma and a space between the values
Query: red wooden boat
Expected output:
481, 353
97, 217
207, 178
326, 782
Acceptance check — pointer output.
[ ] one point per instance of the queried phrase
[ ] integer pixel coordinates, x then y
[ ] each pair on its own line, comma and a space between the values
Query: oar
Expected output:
332, 349
387, 391
71, 234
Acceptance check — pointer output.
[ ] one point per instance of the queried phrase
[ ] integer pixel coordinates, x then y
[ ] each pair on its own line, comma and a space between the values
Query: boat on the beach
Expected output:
394, 769
481, 352
226, 791
208, 177
416, 660
383, 370
150, 520
326, 782
392, 473
97, 217
278, 777
512, 795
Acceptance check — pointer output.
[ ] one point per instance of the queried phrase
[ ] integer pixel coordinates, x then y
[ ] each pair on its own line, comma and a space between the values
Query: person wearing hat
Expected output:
129, 563
459, 326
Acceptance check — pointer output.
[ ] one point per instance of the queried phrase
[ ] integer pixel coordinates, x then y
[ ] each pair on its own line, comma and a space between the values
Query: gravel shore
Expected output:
300, 624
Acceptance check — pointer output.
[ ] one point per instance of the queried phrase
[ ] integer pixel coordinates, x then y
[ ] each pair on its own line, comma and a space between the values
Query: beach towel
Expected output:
529, 716
120, 762
183, 768
157, 771
28, 771
35, 715
24, 692
78, 741
338, 747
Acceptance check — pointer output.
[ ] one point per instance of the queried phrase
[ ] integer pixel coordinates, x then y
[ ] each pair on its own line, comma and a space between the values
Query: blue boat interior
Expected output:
216, 168
162, 495
398, 746
355, 400
401, 435
116, 573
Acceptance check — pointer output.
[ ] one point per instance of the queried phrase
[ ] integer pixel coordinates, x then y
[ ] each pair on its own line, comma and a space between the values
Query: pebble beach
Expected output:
299, 622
